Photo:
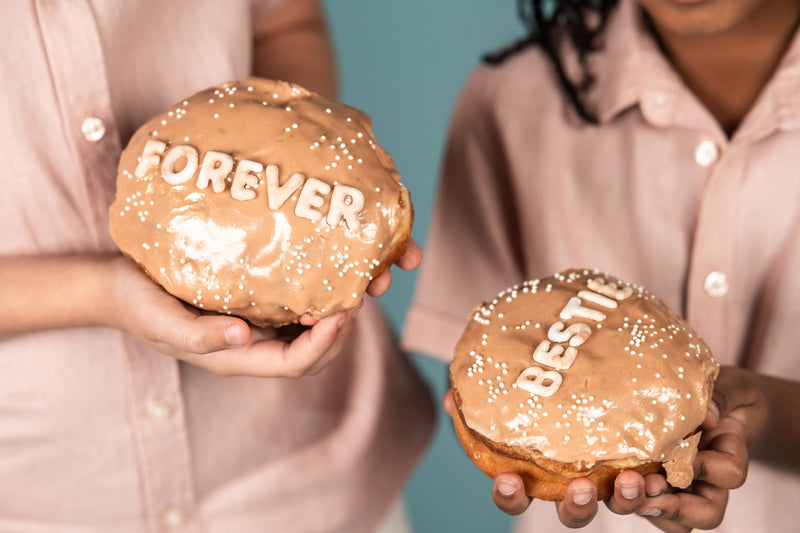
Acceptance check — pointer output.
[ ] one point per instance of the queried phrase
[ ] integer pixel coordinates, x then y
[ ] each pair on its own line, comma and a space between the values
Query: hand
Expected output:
579, 506
224, 345
732, 429
64, 291
733, 424
411, 259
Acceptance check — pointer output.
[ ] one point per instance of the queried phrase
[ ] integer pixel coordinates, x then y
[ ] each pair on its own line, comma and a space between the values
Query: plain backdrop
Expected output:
403, 63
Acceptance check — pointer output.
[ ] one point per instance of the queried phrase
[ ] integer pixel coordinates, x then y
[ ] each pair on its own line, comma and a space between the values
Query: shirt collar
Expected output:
632, 70
779, 103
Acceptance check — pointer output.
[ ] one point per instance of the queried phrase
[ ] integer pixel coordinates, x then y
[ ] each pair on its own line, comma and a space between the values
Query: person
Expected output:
655, 140
121, 409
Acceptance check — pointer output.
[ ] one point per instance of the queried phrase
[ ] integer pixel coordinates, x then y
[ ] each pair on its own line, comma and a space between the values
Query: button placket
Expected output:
83, 95
162, 445
711, 271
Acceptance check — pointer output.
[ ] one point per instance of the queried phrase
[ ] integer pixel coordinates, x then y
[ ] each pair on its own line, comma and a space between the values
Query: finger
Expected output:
655, 484
448, 403
380, 284
176, 330
275, 358
703, 508
579, 505
301, 354
332, 352
508, 493
668, 526
412, 257
724, 464
712, 416
629, 493
308, 320
734, 398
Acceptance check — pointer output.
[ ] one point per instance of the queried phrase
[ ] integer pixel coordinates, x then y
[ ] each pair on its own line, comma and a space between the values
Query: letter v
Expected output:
278, 194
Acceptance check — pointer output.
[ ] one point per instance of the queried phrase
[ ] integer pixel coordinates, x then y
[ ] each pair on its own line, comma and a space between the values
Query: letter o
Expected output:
186, 173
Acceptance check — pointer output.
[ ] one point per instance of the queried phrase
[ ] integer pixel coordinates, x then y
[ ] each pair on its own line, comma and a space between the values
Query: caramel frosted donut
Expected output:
580, 375
261, 199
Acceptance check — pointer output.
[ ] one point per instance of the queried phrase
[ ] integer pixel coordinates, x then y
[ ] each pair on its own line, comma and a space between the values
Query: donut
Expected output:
580, 374
260, 199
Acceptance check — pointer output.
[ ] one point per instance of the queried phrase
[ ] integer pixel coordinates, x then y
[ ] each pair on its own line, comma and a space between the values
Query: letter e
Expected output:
244, 178
311, 199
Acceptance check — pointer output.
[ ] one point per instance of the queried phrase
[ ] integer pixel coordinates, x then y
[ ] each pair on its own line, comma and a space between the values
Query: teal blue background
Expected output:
403, 62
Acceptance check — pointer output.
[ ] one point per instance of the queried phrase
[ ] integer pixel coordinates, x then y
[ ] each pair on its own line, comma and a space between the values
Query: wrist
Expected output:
102, 308
49, 292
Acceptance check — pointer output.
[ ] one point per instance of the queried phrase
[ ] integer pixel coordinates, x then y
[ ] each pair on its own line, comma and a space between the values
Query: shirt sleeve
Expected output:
472, 250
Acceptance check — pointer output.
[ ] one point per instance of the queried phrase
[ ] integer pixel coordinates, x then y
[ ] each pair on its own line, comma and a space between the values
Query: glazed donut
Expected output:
580, 375
261, 199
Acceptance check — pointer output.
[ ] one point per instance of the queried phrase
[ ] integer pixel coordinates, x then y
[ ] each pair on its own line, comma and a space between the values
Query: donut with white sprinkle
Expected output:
580, 375
261, 199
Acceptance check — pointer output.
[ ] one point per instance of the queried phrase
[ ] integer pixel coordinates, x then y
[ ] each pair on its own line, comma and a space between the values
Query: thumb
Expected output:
712, 415
743, 408
728, 395
195, 333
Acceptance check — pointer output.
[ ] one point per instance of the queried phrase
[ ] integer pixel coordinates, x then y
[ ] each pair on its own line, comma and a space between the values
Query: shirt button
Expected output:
716, 284
93, 129
174, 518
706, 154
158, 410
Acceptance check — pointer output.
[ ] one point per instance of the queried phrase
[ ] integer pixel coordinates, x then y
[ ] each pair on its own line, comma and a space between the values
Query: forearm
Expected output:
292, 44
48, 292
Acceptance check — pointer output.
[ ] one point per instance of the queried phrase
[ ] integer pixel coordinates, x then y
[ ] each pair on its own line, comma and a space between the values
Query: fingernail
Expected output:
234, 336
505, 488
340, 323
655, 493
629, 492
653, 511
581, 497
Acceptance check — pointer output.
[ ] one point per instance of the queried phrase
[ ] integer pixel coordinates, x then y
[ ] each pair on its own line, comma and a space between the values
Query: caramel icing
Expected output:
583, 367
260, 199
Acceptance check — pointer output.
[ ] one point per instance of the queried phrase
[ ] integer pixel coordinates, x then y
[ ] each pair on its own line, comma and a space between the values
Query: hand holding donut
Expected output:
580, 387
265, 202
227, 345
732, 430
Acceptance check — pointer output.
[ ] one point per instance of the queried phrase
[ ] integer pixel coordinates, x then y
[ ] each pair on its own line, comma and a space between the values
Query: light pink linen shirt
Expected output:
656, 194
99, 432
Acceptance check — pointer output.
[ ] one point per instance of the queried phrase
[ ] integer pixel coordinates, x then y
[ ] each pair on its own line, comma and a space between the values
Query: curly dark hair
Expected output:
550, 21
